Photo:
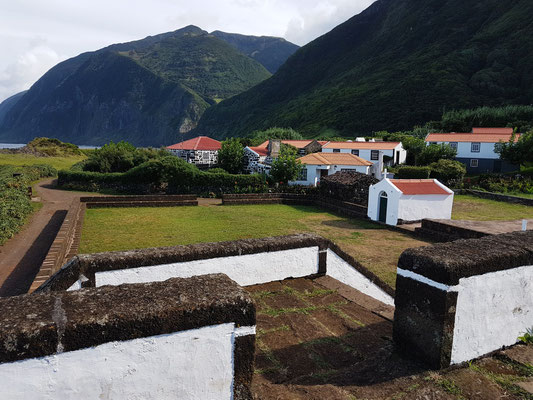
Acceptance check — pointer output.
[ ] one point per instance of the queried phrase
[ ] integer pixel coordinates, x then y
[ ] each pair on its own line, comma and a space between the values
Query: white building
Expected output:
477, 149
201, 150
317, 165
256, 160
393, 152
394, 200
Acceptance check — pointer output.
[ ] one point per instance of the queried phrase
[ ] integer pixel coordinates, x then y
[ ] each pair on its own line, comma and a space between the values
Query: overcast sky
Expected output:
37, 34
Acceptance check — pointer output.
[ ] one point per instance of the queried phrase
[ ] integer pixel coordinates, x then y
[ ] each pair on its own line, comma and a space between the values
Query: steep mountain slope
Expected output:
146, 92
270, 51
397, 64
8, 104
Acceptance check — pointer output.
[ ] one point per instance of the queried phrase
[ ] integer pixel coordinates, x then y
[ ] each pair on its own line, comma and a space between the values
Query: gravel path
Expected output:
22, 255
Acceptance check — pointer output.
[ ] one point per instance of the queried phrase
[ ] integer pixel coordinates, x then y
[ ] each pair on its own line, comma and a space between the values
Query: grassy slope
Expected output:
121, 229
24, 159
476, 209
398, 64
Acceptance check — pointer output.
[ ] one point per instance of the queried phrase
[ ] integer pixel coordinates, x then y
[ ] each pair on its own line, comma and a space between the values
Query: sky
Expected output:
35, 35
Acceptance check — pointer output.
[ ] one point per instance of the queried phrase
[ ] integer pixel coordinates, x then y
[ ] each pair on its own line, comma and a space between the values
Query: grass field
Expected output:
129, 228
25, 159
475, 209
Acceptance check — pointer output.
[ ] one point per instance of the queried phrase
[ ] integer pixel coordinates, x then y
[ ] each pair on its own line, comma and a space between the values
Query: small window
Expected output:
336, 150
374, 155
303, 174
355, 152
476, 147
474, 162
453, 145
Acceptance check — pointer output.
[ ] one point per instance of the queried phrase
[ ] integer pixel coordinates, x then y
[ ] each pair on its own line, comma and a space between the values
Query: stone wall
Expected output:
183, 338
140, 201
461, 300
498, 197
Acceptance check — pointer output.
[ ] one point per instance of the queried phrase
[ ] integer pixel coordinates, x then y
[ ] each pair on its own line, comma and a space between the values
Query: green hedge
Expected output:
15, 204
410, 172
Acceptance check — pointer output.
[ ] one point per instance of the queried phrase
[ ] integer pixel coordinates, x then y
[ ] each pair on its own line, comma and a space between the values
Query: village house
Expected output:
258, 159
318, 165
393, 152
407, 200
477, 150
201, 151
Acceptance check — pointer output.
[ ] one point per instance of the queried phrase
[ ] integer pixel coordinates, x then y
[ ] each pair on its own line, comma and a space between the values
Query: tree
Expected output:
286, 167
259, 137
230, 155
517, 152
434, 153
449, 172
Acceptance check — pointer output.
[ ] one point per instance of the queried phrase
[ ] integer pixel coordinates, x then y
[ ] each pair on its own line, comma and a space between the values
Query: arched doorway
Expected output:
382, 209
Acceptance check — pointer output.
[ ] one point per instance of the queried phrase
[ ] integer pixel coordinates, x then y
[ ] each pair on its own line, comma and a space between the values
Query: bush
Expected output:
449, 172
217, 171
410, 172
434, 153
52, 147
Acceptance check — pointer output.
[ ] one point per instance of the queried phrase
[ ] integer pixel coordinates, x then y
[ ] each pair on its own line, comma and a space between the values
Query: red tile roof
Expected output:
470, 137
333, 159
418, 186
299, 144
198, 143
493, 130
362, 145
262, 151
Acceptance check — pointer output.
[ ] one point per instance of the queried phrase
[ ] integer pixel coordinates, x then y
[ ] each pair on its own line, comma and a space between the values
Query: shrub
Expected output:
449, 172
230, 155
52, 147
434, 153
217, 171
410, 172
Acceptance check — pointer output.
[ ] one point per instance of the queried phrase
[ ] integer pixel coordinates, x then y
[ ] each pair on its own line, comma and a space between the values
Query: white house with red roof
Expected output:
393, 152
406, 200
318, 165
201, 150
477, 149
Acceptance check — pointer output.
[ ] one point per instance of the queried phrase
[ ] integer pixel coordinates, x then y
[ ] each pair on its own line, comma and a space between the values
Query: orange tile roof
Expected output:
262, 151
333, 159
362, 145
508, 131
418, 186
470, 137
299, 144
198, 143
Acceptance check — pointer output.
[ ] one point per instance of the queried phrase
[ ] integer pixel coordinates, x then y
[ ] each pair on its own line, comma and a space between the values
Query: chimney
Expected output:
274, 147
378, 167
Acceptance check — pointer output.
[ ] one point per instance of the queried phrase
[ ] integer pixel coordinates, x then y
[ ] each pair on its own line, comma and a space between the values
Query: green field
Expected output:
475, 209
109, 229
25, 159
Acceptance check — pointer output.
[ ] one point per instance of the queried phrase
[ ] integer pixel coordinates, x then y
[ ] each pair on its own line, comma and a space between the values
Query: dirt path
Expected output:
22, 255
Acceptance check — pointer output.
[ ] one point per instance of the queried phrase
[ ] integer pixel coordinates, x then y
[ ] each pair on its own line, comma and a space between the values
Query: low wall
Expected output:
458, 301
248, 262
498, 197
442, 231
140, 201
180, 339
64, 246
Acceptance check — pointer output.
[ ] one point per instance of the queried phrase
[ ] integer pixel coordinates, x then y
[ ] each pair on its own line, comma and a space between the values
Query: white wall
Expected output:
393, 202
249, 269
417, 207
342, 271
492, 311
313, 172
366, 153
464, 150
194, 364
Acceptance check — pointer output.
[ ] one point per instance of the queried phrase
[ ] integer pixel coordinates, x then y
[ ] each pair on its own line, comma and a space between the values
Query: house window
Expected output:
374, 155
355, 152
476, 147
453, 145
336, 150
303, 174
474, 162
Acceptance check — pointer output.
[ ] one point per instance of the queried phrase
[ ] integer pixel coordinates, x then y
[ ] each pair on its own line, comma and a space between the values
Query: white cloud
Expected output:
35, 35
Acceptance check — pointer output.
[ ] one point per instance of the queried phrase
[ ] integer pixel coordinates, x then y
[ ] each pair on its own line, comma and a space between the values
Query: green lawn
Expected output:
476, 209
109, 229
25, 159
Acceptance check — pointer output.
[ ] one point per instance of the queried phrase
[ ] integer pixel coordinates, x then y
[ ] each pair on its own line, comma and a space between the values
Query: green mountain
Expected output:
397, 64
270, 51
147, 91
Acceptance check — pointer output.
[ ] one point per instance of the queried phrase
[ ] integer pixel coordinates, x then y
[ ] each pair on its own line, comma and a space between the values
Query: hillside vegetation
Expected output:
398, 64
147, 91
